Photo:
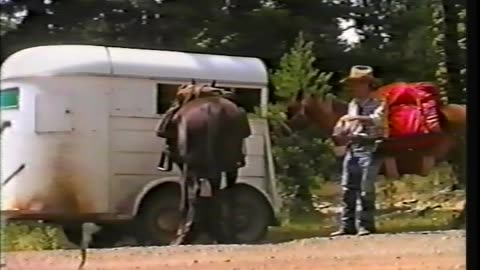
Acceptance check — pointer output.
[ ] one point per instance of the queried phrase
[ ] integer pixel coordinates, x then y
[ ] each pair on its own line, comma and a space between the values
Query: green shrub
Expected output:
18, 237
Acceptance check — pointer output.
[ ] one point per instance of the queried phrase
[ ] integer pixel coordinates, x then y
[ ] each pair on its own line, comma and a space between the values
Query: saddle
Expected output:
185, 94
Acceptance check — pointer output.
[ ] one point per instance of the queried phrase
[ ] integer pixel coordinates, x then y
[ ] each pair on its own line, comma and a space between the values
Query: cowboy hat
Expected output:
361, 73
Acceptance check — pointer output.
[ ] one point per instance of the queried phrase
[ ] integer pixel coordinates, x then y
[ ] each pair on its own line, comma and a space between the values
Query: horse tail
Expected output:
212, 131
187, 188
182, 140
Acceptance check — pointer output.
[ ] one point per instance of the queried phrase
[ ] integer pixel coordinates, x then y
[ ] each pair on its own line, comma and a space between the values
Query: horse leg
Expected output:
231, 178
215, 222
188, 214
192, 193
229, 201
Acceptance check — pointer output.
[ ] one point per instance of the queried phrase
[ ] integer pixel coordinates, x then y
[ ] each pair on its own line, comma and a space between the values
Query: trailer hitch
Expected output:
11, 176
3, 127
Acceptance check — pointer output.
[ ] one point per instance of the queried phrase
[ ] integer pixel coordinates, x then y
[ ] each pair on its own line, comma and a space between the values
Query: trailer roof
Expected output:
123, 62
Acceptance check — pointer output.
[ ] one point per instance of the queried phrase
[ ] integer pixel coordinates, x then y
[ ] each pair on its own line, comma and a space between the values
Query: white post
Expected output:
264, 101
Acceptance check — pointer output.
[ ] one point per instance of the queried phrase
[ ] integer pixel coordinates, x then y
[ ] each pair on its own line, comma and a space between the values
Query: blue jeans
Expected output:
359, 172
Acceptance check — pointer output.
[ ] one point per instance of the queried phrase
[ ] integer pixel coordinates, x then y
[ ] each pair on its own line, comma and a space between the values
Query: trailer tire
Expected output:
253, 214
158, 219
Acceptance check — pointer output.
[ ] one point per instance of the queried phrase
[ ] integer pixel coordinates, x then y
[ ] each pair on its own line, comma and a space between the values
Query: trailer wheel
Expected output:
252, 215
159, 217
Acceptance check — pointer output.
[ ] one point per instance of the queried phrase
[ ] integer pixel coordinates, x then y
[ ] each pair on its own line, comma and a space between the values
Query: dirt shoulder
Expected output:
429, 250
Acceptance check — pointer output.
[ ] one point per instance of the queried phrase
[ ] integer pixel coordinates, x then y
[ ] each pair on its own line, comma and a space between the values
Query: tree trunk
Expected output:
453, 59
455, 94
303, 195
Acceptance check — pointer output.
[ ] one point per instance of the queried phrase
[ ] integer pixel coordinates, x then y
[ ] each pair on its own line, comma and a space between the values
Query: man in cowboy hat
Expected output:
362, 126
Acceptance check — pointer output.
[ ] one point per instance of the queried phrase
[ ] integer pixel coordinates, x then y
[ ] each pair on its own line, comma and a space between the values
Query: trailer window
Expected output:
165, 95
9, 98
248, 99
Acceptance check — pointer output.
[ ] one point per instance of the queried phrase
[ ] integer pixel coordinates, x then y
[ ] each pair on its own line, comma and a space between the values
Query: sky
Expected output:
348, 35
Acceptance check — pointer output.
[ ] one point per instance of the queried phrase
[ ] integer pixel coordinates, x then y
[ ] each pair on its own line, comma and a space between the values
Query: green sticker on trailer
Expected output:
9, 98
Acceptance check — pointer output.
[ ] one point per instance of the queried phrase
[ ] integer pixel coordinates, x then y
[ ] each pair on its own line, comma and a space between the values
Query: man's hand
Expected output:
349, 118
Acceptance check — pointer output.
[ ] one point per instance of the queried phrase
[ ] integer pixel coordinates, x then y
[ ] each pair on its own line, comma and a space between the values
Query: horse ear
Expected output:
194, 82
300, 95
213, 83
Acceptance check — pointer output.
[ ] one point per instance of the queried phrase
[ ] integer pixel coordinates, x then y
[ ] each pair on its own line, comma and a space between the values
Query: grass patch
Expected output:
402, 222
403, 207
317, 225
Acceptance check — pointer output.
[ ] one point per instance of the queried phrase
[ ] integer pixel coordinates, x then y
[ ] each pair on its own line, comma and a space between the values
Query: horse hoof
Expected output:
176, 242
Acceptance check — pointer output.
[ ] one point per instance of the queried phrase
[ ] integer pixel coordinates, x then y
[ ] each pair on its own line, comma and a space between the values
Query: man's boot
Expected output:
344, 231
366, 231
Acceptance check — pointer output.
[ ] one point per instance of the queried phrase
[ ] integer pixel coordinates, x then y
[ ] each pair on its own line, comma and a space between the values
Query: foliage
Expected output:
396, 39
303, 162
10, 17
18, 237
396, 35
296, 72
6, 24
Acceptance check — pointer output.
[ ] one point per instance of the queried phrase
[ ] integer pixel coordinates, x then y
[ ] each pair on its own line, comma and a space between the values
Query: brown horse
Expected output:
205, 138
324, 112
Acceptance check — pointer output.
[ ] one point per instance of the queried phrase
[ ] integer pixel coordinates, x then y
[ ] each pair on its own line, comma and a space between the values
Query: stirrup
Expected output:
161, 164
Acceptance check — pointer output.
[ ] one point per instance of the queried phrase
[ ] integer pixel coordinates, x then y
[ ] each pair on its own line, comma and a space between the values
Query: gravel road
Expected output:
409, 251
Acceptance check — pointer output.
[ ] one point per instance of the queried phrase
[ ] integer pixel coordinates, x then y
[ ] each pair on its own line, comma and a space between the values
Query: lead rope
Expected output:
11, 176
184, 194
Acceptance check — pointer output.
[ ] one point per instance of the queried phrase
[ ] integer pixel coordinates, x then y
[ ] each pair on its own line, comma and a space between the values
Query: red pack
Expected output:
413, 108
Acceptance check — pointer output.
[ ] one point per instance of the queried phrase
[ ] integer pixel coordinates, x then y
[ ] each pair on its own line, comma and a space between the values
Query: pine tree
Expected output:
303, 157
449, 25
296, 71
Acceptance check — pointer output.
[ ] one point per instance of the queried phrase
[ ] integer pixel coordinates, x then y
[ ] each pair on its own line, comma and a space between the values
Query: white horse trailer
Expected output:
83, 120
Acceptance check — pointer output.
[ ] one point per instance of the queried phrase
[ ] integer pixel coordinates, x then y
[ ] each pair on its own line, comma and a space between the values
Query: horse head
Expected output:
321, 111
